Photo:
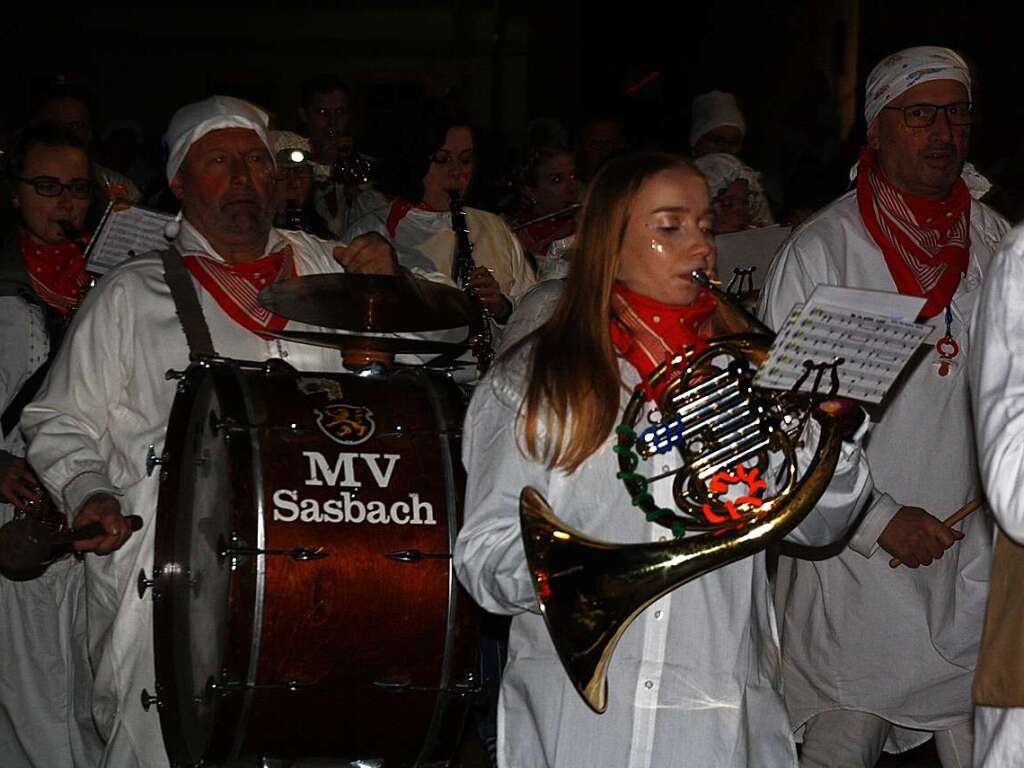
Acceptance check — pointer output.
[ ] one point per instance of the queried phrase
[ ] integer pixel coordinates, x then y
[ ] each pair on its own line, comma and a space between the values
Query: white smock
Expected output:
105, 401
45, 679
856, 634
997, 390
696, 679
425, 240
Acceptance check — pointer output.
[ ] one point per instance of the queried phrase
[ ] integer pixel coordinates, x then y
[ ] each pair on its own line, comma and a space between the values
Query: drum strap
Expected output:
186, 304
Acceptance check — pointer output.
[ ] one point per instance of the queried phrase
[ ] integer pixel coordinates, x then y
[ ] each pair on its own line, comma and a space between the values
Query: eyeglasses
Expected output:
923, 115
444, 157
47, 186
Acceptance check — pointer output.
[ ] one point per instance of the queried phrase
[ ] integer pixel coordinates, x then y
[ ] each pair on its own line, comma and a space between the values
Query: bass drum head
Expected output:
192, 620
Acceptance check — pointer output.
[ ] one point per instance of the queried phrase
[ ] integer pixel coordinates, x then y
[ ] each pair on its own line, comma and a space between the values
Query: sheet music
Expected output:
124, 233
871, 331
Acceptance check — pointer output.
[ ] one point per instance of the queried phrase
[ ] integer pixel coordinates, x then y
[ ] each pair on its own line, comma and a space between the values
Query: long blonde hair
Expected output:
574, 385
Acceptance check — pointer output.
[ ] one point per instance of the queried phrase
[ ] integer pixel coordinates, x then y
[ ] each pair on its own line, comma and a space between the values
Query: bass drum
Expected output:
305, 598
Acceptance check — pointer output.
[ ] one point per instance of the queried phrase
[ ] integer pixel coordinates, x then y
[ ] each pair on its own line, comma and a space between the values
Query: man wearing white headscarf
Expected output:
875, 656
107, 397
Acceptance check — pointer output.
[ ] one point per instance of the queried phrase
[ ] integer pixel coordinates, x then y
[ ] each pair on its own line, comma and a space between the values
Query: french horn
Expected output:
590, 591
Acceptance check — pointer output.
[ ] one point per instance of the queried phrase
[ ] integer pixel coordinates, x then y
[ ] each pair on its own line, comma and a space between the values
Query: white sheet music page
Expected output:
125, 232
872, 332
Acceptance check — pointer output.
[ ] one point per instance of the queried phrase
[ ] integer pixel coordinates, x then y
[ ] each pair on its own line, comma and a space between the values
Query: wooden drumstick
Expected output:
949, 522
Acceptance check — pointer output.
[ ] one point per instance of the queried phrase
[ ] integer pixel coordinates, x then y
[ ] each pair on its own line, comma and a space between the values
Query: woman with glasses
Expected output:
45, 681
438, 159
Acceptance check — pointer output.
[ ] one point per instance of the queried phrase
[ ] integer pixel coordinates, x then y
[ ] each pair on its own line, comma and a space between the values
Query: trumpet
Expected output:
589, 590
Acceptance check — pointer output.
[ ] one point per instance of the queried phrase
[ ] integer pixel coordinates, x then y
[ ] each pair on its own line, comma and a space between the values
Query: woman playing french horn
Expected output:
695, 680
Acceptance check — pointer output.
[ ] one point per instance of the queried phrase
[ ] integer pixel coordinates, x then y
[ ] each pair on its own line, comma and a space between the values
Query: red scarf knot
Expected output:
647, 332
236, 287
56, 272
926, 242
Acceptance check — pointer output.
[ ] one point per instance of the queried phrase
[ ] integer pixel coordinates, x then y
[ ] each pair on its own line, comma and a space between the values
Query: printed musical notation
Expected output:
124, 233
872, 332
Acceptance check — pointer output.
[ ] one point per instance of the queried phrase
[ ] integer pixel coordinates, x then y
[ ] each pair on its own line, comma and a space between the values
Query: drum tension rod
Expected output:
226, 687
467, 686
414, 555
237, 548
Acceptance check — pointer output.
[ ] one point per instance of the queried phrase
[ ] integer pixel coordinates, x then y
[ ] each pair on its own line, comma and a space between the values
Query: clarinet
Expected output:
480, 342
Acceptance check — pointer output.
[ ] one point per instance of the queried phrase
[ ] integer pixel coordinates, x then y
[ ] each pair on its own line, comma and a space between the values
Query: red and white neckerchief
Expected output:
647, 332
235, 287
55, 272
926, 243
399, 208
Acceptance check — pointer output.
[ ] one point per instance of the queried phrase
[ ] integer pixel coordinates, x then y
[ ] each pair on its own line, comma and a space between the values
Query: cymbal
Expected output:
388, 344
373, 303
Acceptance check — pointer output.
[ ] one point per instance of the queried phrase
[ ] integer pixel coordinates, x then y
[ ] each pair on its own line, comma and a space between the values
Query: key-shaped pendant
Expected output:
948, 349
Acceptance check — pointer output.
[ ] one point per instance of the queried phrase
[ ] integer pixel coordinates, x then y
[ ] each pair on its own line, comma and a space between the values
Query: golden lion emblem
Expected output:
346, 424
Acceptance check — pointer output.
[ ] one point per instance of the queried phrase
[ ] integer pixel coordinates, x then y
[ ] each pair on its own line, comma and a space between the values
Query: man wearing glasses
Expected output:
878, 657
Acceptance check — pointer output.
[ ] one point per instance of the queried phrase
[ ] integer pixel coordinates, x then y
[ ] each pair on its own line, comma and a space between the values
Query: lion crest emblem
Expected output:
346, 424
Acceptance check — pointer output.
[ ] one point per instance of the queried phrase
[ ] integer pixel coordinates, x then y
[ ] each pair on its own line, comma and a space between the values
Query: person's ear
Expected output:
873, 134
177, 186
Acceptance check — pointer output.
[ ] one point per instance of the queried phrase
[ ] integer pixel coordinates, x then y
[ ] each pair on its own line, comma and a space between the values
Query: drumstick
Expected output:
949, 522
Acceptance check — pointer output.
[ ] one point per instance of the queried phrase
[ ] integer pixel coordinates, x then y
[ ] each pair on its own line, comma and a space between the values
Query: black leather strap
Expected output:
186, 304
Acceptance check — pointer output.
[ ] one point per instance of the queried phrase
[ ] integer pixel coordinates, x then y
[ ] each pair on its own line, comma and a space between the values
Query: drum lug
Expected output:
467, 686
414, 555
228, 424
148, 699
238, 549
152, 461
142, 583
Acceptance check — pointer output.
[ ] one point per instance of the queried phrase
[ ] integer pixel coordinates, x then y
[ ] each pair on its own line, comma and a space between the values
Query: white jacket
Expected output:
997, 378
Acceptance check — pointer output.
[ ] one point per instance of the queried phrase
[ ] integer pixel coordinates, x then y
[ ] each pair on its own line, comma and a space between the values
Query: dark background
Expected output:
797, 67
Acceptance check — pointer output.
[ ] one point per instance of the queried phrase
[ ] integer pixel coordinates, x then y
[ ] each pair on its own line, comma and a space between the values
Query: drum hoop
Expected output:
431, 738
260, 564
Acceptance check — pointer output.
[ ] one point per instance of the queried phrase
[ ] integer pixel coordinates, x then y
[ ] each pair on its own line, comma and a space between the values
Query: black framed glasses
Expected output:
444, 157
923, 115
47, 186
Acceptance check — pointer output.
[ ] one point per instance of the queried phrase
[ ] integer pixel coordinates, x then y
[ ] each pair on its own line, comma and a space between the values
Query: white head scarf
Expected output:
721, 170
193, 121
712, 110
897, 74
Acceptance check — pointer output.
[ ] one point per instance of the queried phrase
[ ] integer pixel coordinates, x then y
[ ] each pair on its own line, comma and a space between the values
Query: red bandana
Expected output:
56, 272
235, 287
647, 332
926, 242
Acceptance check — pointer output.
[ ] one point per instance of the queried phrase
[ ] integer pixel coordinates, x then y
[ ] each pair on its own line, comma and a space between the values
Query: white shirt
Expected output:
997, 375
105, 401
695, 679
856, 634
